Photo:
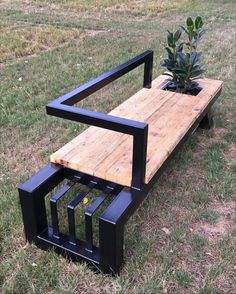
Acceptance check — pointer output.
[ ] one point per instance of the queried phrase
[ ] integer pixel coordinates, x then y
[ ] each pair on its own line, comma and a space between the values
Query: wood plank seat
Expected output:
108, 155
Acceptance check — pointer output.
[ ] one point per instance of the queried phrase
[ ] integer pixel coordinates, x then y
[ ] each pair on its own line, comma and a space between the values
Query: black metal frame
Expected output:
109, 256
63, 107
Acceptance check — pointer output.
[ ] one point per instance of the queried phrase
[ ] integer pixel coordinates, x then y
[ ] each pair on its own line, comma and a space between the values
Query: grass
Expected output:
183, 278
210, 216
23, 41
50, 47
131, 6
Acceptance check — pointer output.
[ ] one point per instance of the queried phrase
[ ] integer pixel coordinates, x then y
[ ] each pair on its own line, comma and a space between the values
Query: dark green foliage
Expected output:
183, 59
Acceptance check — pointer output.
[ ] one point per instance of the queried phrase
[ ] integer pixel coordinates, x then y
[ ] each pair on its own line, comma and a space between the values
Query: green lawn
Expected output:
182, 239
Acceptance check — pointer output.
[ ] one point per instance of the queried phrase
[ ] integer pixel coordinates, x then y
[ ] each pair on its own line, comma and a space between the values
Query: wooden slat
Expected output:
88, 162
114, 165
108, 155
160, 127
93, 134
72, 156
164, 134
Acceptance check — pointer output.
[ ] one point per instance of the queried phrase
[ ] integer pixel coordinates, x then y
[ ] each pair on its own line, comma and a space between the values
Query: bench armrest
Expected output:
63, 107
94, 118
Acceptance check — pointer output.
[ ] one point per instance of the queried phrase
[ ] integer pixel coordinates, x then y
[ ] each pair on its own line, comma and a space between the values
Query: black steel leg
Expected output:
111, 227
111, 238
32, 199
32, 194
207, 121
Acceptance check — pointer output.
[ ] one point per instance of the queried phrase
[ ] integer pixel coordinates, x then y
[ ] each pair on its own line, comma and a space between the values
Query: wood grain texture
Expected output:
108, 154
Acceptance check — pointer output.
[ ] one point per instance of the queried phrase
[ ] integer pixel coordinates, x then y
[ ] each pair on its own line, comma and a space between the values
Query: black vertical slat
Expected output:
90, 212
88, 221
148, 68
71, 210
32, 199
53, 206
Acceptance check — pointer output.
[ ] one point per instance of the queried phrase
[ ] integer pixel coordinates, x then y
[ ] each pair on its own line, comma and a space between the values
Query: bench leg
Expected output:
111, 238
109, 256
207, 121
111, 227
32, 194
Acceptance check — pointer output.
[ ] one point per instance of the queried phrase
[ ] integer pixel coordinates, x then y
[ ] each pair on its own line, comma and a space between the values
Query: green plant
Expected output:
183, 58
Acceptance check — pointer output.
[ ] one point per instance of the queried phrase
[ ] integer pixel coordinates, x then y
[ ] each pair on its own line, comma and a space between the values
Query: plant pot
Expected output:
169, 86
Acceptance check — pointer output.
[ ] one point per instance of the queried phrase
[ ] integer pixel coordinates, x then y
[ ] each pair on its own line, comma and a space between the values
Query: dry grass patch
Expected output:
144, 6
225, 284
230, 154
134, 6
18, 42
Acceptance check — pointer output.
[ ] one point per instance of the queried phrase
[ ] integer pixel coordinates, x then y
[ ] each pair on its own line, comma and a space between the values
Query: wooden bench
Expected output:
121, 154
169, 115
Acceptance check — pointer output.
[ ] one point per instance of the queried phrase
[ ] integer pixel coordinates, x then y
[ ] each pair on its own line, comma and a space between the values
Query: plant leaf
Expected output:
179, 48
190, 35
196, 73
170, 53
190, 24
195, 35
183, 28
177, 34
170, 39
198, 22
195, 57
192, 85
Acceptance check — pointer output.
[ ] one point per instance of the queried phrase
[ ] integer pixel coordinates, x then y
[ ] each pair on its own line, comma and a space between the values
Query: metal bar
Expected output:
98, 119
148, 67
32, 194
111, 240
89, 88
207, 121
53, 206
88, 222
62, 107
85, 179
71, 210
88, 218
45, 240
139, 158
139, 131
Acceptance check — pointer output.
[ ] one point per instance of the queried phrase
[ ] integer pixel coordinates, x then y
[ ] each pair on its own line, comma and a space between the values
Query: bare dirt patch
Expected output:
213, 232
92, 33
227, 209
204, 141
230, 154
219, 133
226, 283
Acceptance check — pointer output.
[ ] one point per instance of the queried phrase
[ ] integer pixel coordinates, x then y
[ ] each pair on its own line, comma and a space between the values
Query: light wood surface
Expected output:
108, 154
